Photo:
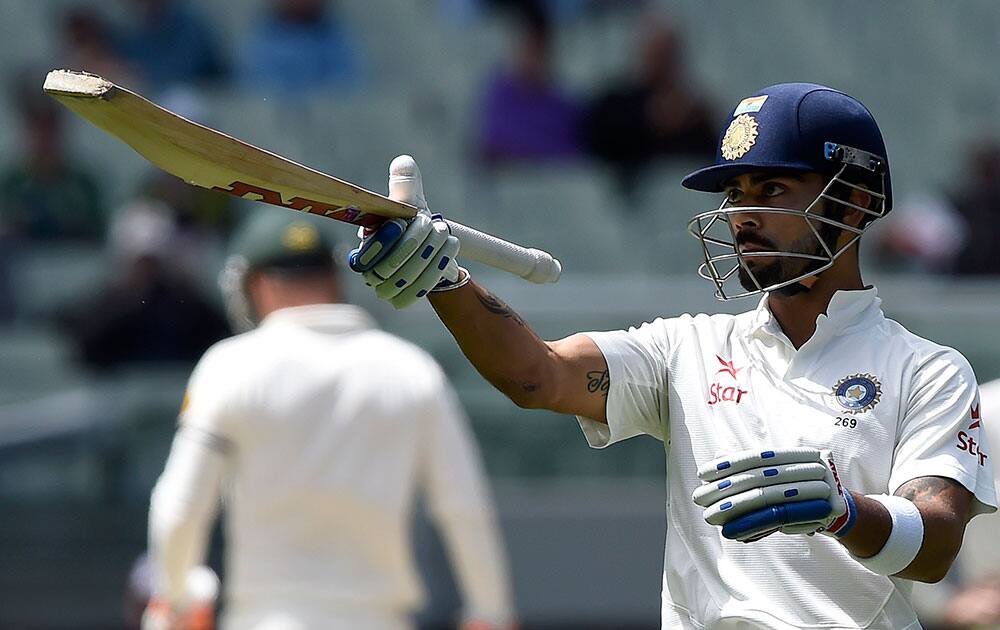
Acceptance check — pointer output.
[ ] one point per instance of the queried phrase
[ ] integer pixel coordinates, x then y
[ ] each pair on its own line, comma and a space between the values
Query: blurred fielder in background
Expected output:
811, 414
318, 429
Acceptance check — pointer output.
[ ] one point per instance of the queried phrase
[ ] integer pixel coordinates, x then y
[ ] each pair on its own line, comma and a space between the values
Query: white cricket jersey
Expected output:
329, 427
891, 405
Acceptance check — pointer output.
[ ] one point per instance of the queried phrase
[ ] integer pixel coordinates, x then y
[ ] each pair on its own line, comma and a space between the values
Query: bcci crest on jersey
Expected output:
858, 393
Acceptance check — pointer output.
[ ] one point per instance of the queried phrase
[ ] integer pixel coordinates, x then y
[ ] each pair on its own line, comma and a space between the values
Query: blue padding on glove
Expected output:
363, 258
775, 516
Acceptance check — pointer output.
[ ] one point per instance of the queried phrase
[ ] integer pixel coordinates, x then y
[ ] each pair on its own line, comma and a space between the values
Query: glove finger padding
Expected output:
757, 524
747, 460
424, 255
753, 494
414, 236
430, 276
733, 507
709, 493
375, 245
808, 527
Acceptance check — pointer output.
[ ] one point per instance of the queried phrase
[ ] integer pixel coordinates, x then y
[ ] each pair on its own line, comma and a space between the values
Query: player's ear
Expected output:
858, 198
258, 289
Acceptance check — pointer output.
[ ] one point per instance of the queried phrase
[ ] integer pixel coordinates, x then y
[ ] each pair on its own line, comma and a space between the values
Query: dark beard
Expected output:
784, 268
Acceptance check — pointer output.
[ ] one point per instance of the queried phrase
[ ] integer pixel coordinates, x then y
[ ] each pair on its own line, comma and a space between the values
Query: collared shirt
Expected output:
327, 428
890, 405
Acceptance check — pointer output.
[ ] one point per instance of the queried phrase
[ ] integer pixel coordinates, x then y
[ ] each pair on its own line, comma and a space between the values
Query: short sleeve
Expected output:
211, 401
637, 360
942, 433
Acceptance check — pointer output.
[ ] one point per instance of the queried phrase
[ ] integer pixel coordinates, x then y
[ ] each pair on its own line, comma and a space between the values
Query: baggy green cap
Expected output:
283, 239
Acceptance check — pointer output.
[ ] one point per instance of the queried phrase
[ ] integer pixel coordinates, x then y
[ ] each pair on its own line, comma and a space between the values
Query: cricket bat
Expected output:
211, 159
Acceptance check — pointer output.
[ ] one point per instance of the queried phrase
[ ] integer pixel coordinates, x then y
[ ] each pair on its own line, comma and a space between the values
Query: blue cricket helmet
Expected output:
798, 127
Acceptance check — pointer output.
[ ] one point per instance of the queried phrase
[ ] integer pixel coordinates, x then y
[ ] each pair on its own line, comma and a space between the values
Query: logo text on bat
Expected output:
273, 197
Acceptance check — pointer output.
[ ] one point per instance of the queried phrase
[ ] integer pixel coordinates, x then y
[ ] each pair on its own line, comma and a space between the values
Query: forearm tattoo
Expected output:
497, 306
938, 495
598, 382
925, 489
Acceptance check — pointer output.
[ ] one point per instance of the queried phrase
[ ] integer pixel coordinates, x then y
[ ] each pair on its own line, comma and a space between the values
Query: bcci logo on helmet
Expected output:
858, 393
740, 137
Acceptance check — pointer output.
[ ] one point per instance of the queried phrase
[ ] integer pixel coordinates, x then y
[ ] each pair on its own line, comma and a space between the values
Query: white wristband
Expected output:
904, 540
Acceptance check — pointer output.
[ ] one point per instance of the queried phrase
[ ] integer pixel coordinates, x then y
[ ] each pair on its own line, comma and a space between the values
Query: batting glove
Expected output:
752, 494
406, 260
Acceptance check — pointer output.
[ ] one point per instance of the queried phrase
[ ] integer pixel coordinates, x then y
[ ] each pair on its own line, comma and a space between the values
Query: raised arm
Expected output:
567, 376
406, 261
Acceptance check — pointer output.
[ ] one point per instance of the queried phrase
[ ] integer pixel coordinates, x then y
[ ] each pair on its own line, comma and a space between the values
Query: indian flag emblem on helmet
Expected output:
858, 393
740, 136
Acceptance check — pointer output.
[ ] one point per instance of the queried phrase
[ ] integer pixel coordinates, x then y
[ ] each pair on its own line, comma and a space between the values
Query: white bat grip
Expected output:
531, 264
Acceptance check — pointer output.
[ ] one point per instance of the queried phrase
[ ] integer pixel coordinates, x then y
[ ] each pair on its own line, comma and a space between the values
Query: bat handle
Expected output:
531, 264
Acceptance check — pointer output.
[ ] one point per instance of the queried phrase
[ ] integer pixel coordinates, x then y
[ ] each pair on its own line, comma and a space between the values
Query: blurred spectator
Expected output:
202, 220
976, 606
45, 196
561, 11
171, 46
525, 114
88, 44
302, 46
923, 234
655, 113
978, 202
149, 310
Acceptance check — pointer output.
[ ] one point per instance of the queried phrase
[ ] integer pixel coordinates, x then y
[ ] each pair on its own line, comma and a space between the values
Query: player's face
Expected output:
771, 231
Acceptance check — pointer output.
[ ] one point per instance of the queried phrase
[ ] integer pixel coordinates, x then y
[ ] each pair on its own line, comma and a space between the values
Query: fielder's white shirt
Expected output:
324, 428
891, 405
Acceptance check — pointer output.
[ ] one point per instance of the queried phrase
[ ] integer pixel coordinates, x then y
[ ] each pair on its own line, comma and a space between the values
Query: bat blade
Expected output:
211, 159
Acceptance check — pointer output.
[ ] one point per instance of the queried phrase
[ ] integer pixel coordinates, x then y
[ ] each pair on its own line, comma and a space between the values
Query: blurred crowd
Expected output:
149, 307
167, 50
654, 111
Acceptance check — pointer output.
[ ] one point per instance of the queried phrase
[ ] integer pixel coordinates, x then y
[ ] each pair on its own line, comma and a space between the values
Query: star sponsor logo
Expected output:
967, 442
719, 392
858, 393
727, 367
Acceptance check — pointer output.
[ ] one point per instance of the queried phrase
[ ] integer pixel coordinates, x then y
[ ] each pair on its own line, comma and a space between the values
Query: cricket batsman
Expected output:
820, 457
